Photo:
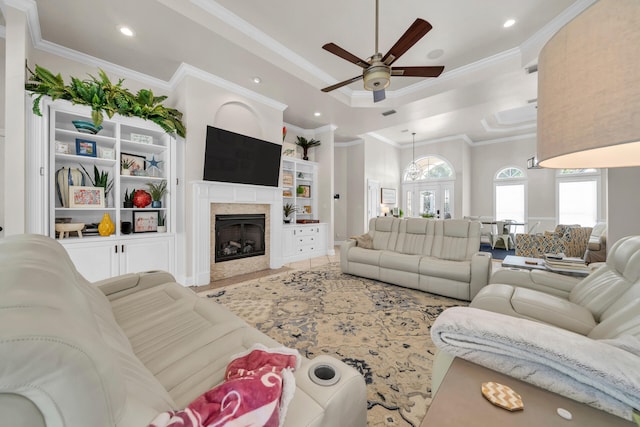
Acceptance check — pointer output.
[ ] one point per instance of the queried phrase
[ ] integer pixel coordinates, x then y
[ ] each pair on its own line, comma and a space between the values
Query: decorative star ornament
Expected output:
153, 163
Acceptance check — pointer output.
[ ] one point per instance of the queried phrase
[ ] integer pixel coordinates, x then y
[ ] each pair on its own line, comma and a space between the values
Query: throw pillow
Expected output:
365, 241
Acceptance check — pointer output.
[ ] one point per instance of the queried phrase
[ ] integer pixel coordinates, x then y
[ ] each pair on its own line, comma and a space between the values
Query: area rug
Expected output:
496, 253
381, 330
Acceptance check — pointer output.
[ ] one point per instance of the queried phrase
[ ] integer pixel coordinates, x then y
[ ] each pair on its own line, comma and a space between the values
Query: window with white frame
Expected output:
431, 192
578, 196
430, 167
510, 186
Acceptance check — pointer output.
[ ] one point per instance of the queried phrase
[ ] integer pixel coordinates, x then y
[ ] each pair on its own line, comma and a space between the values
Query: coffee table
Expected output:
524, 262
527, 263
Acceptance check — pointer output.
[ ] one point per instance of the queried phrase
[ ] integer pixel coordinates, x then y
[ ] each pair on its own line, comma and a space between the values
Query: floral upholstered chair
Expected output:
571, 240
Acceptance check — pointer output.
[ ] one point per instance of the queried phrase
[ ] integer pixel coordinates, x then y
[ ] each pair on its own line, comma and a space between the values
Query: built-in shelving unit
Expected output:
299, 179
54, 139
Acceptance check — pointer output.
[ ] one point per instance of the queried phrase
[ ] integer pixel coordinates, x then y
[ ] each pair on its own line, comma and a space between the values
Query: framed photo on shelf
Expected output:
106, 153
286, 193
145, 221
306, 191
137, 162
86, 197
144, 139
85, 147
388, 196
287, 178
307, 209
63, 148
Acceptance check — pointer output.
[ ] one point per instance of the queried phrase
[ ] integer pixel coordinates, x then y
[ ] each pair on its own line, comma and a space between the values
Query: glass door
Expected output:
433, 200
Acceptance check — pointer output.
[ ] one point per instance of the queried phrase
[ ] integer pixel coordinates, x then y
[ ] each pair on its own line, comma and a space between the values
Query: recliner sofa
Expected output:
611, 291
436, 256
121, 351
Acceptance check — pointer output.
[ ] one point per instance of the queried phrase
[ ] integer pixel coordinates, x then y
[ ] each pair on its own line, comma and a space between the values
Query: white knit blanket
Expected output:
602, 373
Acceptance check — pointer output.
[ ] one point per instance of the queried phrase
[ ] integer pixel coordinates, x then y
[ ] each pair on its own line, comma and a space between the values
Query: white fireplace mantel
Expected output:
207, 192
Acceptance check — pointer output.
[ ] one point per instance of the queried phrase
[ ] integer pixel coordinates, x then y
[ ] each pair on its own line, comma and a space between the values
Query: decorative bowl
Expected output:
86, 127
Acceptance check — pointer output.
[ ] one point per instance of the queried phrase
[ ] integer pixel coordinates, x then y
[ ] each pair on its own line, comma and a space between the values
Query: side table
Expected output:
459, 402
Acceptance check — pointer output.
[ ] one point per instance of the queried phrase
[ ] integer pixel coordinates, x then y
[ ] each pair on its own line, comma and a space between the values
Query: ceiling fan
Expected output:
377, 70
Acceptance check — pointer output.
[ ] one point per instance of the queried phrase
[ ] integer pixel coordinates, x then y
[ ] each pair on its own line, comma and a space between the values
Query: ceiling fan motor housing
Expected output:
377, 76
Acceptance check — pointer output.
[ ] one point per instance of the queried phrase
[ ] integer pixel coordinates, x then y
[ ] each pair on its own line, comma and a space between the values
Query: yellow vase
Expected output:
106, 226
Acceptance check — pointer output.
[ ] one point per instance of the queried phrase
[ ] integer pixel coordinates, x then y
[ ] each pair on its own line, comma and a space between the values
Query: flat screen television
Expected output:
231, 157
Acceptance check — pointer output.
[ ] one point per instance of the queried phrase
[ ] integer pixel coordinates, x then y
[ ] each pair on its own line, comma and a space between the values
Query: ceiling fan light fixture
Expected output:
377, 77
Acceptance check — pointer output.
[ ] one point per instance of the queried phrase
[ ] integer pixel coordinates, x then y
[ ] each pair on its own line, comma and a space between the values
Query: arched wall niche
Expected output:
240, 118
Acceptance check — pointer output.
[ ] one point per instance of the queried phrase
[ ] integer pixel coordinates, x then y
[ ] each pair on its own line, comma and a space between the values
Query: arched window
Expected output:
510, 173
510, 190
431, 167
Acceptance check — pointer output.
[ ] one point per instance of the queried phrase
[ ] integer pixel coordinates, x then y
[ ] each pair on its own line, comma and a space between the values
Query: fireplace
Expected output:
239, 236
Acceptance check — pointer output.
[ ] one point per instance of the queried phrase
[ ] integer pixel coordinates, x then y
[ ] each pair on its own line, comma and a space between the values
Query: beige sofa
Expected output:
437, 256
118, 352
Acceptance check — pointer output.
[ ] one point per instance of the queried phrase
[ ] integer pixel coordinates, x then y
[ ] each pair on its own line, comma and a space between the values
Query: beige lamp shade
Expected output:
589, 90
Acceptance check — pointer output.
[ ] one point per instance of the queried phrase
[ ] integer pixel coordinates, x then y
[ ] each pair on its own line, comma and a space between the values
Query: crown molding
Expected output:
310, 133
532, 46
225, 15
490, 128
506, 139
348, 144
30, 9
186, 70
383, 139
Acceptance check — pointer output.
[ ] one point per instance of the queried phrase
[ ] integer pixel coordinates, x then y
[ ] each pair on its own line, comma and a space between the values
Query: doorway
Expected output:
373, 200
434, 200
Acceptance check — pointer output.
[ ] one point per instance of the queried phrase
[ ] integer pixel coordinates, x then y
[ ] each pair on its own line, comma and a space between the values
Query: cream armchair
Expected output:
597, 246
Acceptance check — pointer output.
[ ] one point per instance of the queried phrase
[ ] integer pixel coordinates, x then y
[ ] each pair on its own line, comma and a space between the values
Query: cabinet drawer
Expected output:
306, 249
306, 240
306, 231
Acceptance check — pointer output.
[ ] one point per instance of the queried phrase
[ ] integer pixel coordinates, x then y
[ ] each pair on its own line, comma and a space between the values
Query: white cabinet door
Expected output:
288, 242
146, 255
95, 260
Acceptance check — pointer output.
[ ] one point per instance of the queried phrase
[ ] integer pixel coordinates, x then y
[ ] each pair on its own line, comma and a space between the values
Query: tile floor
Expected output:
298, 265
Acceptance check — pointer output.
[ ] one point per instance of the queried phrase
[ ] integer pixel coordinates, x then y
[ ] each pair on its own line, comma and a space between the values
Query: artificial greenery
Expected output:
305, 144
157, 190
100, 179
128, 197
104, 97
161, 219
288, 209
428, 215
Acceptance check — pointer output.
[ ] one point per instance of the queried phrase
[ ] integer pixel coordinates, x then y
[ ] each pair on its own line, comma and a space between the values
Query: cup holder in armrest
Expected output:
324, 374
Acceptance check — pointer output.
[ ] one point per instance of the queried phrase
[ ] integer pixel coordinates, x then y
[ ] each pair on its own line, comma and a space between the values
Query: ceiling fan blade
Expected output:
416, 31
379, 95
337, 50
344, 83
417, 71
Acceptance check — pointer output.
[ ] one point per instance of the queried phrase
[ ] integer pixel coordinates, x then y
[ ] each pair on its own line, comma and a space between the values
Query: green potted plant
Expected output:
157, 192
128, 198
305, 144
299, 190
104, 97
100, 179
162, 227
125, 166
288, 209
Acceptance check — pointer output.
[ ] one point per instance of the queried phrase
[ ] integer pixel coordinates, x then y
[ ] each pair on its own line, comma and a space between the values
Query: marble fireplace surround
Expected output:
206, 193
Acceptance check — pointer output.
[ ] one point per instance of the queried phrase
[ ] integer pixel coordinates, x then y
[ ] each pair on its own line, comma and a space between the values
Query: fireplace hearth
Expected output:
239, 236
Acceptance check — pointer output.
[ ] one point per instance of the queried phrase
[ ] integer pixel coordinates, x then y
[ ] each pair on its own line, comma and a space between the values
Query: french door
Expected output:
434, 199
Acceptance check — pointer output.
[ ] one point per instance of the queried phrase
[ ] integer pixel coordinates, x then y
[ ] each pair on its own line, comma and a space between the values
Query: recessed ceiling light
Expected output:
317, 114
126, 31
257, 80
509, 23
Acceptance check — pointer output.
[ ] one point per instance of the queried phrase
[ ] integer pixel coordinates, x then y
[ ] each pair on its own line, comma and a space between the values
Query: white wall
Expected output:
382, 164
623, 207
357, 190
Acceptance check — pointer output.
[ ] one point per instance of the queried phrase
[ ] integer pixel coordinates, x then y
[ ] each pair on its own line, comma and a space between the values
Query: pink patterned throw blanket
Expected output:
258, 386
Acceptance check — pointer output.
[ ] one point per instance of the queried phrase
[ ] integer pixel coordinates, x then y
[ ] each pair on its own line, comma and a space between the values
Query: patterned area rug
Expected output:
381, 330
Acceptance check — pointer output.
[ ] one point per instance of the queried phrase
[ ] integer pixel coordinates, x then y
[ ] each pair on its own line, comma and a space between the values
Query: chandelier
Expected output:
413, 171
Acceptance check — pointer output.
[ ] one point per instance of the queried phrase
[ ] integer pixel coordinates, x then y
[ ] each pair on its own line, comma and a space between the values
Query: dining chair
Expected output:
503, 232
